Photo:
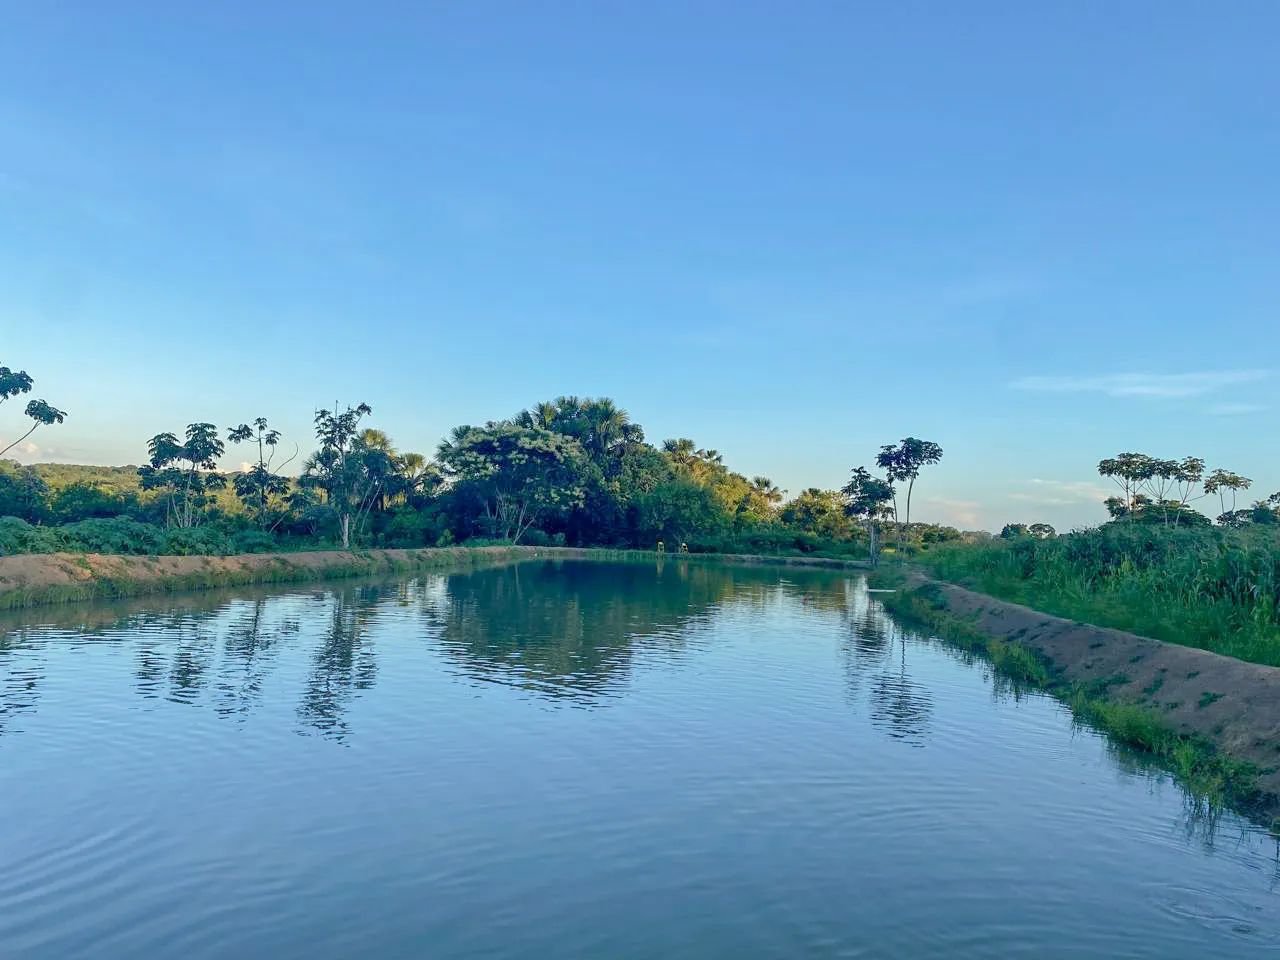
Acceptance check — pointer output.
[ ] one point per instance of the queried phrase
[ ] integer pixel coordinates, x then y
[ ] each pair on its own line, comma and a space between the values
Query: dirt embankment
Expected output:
32, 579
1232, 704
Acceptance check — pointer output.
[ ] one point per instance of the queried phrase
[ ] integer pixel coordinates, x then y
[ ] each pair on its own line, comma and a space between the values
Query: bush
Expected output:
195, 541
18, 536
408, 527
254, 541
540, 538
113, 535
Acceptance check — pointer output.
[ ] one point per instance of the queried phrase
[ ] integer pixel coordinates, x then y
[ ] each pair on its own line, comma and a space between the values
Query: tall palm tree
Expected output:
767, 490
682, 452
604, 424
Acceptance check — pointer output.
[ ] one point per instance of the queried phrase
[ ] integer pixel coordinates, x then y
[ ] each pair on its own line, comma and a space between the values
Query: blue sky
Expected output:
791, 231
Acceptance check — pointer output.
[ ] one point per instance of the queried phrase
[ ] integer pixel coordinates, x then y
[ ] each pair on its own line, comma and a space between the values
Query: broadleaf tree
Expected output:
340, 469
521, 476
184, 472
13, 383
261, 487
870, 499
902, 464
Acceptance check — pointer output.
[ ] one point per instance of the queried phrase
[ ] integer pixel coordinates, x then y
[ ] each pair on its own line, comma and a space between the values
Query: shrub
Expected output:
195, 541
18, 536
408, 527
112, 535
254, 541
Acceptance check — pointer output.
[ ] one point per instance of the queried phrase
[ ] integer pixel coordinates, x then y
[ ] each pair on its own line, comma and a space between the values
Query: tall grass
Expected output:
1214, 589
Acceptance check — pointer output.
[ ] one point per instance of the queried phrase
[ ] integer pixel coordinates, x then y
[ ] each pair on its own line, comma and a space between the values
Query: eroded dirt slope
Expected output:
1231, 703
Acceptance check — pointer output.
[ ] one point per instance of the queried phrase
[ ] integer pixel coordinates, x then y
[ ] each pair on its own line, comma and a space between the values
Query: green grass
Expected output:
1214, 589
1205, 771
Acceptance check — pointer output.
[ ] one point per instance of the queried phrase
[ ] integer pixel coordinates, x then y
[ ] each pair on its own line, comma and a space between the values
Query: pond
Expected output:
582, 760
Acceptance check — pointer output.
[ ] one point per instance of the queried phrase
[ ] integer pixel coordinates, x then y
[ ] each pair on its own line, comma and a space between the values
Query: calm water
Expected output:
579, 760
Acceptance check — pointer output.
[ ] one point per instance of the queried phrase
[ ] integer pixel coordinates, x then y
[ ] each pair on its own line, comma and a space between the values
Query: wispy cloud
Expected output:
1062, 493
1163, 386
1235, 409
960, 513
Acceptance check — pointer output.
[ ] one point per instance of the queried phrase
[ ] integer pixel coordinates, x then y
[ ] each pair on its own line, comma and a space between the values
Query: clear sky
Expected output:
1036, 233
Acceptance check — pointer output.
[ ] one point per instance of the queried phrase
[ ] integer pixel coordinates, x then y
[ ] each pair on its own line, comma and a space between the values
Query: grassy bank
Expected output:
1204, 769
35, 579
1214, 589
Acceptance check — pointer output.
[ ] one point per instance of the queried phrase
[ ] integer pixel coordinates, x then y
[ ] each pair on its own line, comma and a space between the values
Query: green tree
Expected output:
902, 464
679, 510
1130, 472
23, 492
86, 499
868, 499
819, 512
16, 382
521, 476
1042, 531
184, 472
416, 477
1189, 476
1226, 485
340, 469
1266, 511
261, 488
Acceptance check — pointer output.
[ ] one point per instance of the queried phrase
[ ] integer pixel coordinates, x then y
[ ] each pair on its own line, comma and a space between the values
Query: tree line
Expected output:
573, 470
1155, 490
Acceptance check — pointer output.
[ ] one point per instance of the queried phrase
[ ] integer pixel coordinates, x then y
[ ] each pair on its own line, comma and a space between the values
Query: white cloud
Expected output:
957, 513
1062, 493
1163, 386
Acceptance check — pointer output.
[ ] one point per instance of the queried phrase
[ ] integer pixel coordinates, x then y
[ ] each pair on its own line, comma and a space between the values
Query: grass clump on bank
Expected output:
1217, 589
1196, 763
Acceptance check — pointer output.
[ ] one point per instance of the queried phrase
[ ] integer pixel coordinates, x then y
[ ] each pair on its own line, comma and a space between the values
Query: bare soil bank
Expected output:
32, 579
1233, 705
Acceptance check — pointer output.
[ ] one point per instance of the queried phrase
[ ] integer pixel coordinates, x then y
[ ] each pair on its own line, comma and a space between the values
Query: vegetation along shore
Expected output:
576, 476
1213, 719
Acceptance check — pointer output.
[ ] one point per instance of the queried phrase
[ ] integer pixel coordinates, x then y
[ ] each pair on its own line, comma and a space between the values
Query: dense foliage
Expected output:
574, 471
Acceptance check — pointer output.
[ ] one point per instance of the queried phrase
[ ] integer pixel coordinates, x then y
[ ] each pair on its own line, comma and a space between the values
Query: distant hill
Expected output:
109, 479
120, 483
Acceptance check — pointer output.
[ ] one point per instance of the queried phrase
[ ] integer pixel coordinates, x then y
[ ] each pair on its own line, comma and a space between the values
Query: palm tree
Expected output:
767, 490
373, 439
449, 443
681, 452
604, 428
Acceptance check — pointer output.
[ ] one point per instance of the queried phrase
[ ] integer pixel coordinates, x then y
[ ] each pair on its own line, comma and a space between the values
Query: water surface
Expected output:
581, 760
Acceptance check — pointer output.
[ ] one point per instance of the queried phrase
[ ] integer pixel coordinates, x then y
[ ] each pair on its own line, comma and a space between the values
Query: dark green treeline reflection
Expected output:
561, 630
